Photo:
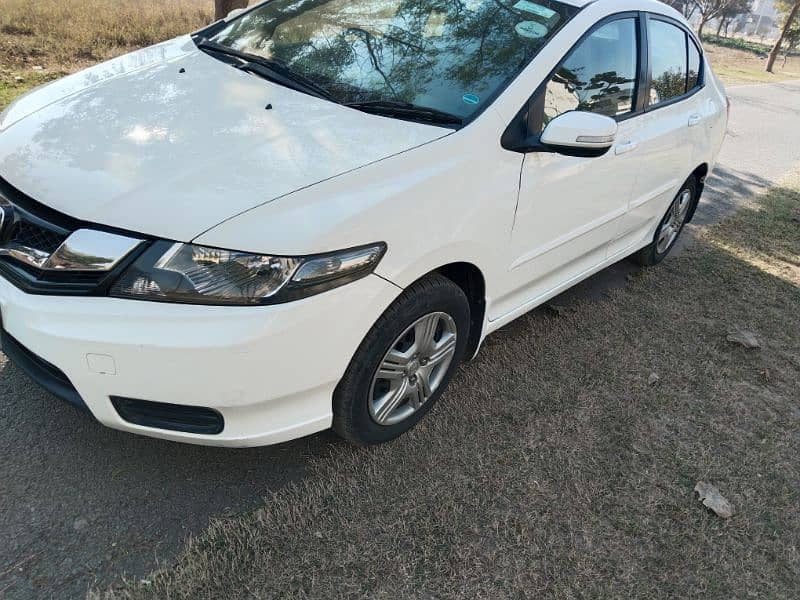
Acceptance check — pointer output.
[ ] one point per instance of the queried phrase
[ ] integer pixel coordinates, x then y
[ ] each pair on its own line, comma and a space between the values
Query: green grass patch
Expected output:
12, 85
737, 44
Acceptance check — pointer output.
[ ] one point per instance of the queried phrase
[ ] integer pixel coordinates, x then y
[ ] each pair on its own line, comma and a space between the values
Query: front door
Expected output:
571, 208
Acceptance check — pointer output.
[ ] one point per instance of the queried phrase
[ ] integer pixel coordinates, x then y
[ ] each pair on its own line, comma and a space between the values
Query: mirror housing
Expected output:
574, 133
578, 133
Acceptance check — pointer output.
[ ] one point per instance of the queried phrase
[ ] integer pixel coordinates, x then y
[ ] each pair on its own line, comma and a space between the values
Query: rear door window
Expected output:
693, 77
668, 62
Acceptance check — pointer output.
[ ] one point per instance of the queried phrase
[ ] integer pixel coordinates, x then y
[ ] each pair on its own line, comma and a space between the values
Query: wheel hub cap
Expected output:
413, 368
673, 221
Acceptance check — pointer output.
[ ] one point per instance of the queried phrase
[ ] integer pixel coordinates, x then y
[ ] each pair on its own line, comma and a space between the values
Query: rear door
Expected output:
670, 129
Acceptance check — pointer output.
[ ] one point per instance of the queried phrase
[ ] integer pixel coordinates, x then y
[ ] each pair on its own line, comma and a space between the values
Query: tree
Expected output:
737, 7
223, 7
685, 7
786, 33
792, 40
710, 10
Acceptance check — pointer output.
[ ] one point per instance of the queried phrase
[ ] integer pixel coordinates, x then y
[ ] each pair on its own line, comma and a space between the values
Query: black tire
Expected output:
352, 419
649, 255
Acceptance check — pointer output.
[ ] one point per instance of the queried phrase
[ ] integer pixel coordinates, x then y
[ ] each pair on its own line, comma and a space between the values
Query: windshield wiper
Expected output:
271, 70
407, 110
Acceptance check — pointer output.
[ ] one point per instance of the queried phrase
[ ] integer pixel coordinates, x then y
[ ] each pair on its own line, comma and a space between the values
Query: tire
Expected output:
679, 213
363, 400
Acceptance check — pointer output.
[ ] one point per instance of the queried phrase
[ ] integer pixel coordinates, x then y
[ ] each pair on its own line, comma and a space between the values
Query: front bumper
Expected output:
269, 371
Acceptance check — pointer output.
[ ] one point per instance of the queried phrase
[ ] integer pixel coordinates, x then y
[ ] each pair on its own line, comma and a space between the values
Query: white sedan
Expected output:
308, 214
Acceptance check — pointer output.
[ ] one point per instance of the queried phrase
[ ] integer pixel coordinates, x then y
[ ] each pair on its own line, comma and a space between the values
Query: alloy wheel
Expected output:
674, 220
413, 368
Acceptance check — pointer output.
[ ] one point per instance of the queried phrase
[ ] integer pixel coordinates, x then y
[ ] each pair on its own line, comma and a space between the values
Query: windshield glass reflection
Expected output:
451, 55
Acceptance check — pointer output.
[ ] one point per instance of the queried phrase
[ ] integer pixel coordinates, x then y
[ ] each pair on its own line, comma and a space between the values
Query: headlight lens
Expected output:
189, 274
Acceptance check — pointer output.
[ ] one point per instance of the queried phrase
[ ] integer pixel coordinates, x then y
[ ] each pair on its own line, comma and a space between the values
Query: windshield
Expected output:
452, 56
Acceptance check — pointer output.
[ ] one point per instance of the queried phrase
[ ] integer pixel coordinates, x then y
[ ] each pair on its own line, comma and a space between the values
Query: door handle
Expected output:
625, 148
695, 120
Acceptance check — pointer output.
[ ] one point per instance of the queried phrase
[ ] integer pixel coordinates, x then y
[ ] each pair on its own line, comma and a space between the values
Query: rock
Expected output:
19, 79
80, 524
712, 499
558, 309
744, 338
38, 68
653, 379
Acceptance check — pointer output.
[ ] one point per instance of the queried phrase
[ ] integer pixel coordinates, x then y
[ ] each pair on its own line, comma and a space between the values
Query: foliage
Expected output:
791, 43
791, 38
791, 9
714, 9
737, 44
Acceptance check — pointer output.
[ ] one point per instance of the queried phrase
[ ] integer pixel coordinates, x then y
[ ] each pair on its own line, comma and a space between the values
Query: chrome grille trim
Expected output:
90, 250
37, 258
30, 256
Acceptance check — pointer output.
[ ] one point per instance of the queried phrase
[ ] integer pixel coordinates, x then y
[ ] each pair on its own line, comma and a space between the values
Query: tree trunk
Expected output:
719, 27
223, 7
786, 26
702, 25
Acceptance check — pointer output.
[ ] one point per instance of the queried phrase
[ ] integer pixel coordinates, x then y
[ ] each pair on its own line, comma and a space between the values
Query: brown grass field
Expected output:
46, 39
552, 467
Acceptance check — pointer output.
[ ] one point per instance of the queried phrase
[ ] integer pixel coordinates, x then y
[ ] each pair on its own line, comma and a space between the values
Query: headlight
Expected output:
190, 274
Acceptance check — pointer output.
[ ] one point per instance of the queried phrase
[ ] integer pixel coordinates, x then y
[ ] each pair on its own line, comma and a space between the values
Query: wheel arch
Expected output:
471, 280
699, 174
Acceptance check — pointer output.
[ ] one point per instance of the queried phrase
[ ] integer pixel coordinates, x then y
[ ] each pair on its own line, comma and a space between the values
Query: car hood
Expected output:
170, 142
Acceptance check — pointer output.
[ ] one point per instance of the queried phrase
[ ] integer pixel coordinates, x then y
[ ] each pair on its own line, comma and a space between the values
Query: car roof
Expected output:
653, 6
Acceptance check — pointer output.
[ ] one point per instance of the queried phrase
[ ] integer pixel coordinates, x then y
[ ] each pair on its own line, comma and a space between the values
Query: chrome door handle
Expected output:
625, 148
695, 120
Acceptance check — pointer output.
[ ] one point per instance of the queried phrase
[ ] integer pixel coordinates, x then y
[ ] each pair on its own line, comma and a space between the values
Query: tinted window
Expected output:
454, 56
694, 67
599, 75
667, 61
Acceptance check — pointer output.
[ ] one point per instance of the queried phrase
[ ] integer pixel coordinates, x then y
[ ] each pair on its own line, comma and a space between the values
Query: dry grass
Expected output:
46, 39
737, 67
553, 469
60, 34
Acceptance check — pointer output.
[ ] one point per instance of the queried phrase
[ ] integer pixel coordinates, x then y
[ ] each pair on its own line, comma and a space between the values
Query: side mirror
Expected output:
578, 133
235, 13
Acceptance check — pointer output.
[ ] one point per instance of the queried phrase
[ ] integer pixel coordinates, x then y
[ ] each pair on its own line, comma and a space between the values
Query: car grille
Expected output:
36, 237
40, 230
